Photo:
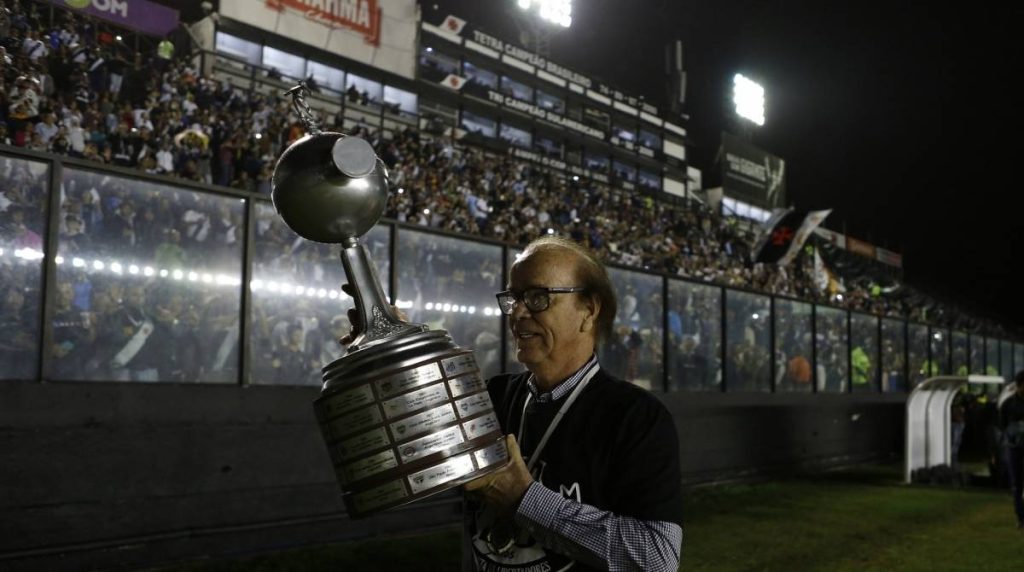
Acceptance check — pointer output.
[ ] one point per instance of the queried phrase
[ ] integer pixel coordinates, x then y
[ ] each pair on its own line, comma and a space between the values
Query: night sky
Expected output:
902, 118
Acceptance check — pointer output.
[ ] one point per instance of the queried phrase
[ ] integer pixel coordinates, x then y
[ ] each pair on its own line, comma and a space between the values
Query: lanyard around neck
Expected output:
558, 416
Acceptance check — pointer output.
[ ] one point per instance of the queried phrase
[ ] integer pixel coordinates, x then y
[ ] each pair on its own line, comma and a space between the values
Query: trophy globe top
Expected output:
330, 187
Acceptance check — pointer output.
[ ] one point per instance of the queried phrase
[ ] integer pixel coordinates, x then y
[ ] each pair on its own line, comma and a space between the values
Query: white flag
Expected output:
811, 222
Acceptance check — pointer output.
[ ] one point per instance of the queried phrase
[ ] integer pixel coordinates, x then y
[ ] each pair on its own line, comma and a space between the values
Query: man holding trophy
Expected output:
593, 475
564, 466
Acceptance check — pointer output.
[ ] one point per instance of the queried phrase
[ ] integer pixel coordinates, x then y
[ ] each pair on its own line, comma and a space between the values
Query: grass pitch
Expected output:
854, 519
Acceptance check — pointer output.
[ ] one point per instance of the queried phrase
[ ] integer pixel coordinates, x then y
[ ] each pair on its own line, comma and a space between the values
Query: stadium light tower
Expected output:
537, 19
749, 99
554, 11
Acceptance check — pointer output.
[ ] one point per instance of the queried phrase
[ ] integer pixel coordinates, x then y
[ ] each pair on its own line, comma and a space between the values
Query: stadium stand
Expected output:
64, 92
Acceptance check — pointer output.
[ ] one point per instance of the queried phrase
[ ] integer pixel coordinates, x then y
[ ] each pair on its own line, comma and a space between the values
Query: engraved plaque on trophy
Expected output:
405, 413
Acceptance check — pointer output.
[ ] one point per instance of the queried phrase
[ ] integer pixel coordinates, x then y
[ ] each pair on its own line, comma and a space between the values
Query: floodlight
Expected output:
555, 11
749, 99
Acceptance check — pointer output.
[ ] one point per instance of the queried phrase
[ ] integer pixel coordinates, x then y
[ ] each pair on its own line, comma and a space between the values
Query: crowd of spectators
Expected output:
68, 90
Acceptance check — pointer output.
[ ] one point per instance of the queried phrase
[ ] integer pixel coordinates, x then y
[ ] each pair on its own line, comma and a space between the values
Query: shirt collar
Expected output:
563, 388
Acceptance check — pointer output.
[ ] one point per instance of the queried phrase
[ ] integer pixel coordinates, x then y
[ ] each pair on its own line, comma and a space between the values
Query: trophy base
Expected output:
407, 419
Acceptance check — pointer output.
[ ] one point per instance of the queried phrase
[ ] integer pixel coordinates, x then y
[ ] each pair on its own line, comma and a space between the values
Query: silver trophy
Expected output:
405, 413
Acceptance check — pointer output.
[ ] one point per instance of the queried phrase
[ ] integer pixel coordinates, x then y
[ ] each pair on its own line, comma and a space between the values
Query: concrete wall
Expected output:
127, 475
725, 437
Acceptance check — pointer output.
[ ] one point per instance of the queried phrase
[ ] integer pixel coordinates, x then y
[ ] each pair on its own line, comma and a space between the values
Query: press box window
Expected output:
649, 180
400, 101
595, 162
573, 155
480, 76
372, 89
624, 171
326, 76
478, 124
234, 46
550, 102
516, 89
288, 65
516, 136
596, 118
624, 133
548, 146
650, 140
432, 59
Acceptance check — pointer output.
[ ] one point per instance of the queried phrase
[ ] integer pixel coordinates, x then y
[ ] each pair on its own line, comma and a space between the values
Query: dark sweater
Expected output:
615, 449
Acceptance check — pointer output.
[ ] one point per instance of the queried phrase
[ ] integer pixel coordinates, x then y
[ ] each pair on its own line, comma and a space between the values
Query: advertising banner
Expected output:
456, 29
752, 175
889, 257
545, 114
860, 247
139, 15
379, 33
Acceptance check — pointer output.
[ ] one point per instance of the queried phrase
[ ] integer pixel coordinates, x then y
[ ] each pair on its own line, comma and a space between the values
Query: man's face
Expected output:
554, 339
134, 297
65, 295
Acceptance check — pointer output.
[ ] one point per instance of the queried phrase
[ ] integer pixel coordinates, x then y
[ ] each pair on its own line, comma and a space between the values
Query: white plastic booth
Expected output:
929, 436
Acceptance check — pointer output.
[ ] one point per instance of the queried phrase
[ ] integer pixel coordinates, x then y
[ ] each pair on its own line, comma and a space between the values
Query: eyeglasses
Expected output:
535, 299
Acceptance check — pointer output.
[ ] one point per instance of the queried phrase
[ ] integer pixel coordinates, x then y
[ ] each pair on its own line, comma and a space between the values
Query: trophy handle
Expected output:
377, 319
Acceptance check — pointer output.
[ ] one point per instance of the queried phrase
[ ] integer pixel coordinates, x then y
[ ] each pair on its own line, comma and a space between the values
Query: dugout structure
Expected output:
928, 437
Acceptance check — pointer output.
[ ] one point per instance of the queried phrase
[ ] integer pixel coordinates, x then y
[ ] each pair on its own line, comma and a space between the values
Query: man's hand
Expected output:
504, 488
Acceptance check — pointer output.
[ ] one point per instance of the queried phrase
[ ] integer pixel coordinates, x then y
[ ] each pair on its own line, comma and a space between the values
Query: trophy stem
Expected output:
377, 320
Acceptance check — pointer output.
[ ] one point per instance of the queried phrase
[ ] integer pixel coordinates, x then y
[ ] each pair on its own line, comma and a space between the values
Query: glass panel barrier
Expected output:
960, 351
695, 336
863, 352
917, 353
831, 349
977, 355
155, 274
1005, 360
938, 343
634, 352
298, 310
991, 356
450, 284
1018, 358
794, 354
24, 198
511, 364
748, 365
894, 356
148, 277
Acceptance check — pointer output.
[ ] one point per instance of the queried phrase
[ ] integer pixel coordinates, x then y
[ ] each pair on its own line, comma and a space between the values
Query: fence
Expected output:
114, 275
